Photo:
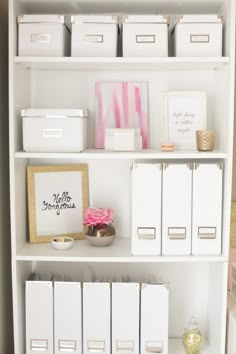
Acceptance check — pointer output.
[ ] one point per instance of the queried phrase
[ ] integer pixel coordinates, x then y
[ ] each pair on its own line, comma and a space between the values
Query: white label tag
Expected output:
93, 38
96, 346
146, 233
39, 345
67, 345
199, 38
40, 38
146, 38
177, 233
154, 347
52, 133
207, 233
124, 346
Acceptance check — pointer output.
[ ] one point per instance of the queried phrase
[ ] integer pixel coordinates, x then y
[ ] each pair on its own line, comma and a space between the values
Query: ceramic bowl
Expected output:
62, 243
100, 241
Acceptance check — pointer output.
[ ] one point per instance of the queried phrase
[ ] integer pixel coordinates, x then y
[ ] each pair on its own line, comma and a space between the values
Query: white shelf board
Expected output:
119, 251
121, 63
103, 154
176, 347
139, 6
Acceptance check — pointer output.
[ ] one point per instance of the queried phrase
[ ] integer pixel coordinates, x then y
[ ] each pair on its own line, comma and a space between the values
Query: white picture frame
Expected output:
184, 112
57, 197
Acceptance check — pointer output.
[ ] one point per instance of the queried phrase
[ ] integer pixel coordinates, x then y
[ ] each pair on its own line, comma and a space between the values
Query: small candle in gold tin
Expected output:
205, 140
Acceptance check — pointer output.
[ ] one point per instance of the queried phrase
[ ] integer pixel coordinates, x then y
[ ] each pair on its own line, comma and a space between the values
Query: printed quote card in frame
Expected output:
57, 197
184, 113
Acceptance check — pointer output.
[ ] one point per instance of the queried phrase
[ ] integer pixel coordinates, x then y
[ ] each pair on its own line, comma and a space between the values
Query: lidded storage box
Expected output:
94, 35
43, 35
145, 36
198, 35
54, 130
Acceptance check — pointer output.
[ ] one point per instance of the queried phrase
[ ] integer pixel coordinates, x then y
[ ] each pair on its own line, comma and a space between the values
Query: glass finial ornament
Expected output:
192, 338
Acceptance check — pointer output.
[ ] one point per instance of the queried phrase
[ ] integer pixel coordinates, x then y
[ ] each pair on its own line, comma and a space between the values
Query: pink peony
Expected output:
98, 216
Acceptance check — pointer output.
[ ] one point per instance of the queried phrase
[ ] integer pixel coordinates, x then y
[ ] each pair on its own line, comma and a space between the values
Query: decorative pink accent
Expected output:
125, 102
142, 120
100, 129
121, 105
116, 110
98, 216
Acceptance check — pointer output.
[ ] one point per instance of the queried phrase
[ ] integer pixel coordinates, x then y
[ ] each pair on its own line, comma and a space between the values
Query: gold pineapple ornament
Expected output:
192, 338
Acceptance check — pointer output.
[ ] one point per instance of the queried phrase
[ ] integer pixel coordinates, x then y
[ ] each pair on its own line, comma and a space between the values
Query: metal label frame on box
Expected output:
57, 197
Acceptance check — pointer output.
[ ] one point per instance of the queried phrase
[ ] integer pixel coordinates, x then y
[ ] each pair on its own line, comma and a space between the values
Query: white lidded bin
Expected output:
54, 130
119, 139
94, 35
145, 35
43, 35
198, 35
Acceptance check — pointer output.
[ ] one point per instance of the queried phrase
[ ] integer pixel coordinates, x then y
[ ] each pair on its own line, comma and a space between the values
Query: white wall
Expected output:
6, 332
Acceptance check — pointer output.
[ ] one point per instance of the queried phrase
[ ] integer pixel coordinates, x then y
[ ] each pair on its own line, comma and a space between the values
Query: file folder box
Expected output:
67, 317
125, 318
96, 318
94, 35
146, 209
198, 35
176, 209
207, 209
54, 130
145, 36
154, 318
39, 316
43, 35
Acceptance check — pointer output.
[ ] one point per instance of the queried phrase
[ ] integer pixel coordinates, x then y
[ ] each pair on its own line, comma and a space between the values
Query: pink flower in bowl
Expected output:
98, 216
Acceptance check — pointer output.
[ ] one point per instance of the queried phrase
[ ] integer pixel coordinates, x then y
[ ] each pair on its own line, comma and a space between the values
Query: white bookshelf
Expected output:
118, 252
144, 154
198, 284
146, 64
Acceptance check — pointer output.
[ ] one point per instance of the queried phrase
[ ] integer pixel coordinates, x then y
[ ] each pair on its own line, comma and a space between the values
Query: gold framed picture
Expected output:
57, 197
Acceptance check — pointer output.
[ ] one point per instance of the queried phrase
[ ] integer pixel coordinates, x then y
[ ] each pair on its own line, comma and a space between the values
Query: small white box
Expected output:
176, 209
146, 209
154, 318
96, 318
94, 35
125, 318
43, 35
120, 139
207, 208
198, 35
145, 36
54, 130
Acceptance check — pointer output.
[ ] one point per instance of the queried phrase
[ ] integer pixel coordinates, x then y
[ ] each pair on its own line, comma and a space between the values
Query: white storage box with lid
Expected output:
120, 139
54, 130
43, 35
145, 35
198, 35
94, 35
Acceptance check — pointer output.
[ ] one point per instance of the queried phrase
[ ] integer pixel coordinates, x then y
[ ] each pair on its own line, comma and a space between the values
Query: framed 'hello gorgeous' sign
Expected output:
57, 197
